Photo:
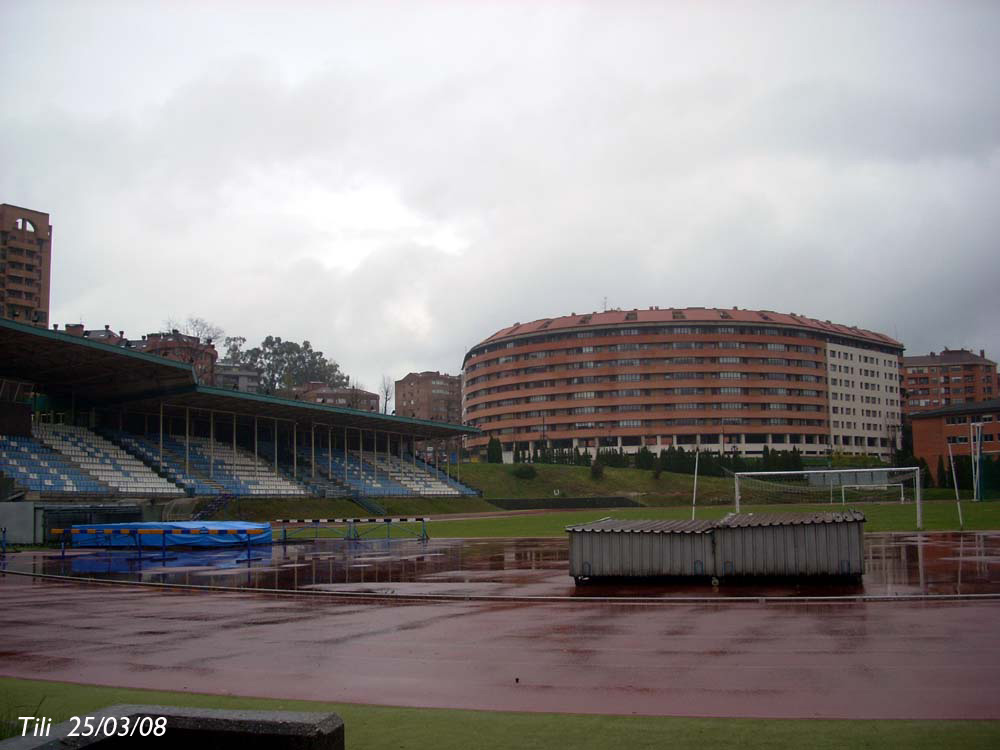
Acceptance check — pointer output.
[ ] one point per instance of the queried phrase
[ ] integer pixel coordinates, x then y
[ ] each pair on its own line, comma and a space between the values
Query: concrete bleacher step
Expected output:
105, 461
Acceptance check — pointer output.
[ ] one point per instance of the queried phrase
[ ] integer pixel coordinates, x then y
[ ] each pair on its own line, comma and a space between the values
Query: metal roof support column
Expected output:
458, 469
312, 441
275, 438
295, 451
413, 450
211, 443
345, 456
361, 457
256, 465
187, 439
329, 452
161, 434
234, 438
387, 456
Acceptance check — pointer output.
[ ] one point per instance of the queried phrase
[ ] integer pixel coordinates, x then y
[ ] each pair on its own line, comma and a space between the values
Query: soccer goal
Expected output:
828, 486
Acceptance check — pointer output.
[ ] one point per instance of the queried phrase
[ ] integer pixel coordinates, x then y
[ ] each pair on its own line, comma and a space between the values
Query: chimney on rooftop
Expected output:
982, 353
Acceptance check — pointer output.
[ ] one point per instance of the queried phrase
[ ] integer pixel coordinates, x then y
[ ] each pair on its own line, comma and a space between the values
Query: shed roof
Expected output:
731, 521
646, 527
736, 520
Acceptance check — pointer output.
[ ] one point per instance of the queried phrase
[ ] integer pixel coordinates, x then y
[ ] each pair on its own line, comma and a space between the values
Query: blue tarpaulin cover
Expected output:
185, 533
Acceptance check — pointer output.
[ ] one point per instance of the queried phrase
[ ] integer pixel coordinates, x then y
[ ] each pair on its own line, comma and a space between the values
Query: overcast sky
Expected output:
395, 182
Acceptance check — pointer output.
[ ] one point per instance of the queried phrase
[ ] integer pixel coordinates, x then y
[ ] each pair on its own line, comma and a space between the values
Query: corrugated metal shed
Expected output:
741, 544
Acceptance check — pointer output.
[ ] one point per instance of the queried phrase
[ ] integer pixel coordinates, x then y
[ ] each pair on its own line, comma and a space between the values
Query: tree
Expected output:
597, 470
386, 391
284, 364
234, 354
203, 329
494, 451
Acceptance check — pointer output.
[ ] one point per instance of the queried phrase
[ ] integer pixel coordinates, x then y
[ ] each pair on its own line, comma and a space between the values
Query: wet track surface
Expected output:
781, 658
895, 564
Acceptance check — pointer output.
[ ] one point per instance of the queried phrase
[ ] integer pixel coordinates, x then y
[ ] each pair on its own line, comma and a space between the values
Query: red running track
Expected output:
849, 660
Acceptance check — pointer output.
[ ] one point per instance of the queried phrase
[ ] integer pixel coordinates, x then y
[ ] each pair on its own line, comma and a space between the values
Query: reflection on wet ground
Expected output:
897, 564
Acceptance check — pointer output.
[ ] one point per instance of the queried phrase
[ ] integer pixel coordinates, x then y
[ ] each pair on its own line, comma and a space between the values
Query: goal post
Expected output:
814, 486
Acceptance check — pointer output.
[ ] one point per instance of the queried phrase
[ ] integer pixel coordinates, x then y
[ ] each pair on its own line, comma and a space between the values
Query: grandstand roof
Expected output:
104, 374
70, 365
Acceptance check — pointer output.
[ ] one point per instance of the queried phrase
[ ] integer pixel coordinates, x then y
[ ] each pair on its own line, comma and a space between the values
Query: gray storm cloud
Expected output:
394, 182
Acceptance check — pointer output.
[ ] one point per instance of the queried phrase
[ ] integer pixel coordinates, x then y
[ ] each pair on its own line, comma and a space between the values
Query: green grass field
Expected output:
938, 516
268, 509
388, 728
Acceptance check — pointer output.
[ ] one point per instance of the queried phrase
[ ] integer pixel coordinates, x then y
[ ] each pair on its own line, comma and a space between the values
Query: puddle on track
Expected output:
897, 564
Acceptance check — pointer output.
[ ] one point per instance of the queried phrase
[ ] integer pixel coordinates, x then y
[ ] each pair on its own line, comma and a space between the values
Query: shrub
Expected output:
524, 471
597, 470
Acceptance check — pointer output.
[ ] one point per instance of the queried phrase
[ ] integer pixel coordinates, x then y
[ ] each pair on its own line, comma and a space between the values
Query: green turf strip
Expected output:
382, 728
938, 516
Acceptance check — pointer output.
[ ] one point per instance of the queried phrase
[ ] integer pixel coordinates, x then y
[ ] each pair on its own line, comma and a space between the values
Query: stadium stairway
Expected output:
36, 467
105, 461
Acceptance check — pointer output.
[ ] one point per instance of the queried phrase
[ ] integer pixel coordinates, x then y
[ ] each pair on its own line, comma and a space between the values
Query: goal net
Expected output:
830, 487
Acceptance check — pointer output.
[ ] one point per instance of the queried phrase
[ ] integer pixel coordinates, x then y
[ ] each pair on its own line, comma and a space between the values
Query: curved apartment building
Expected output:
718, 379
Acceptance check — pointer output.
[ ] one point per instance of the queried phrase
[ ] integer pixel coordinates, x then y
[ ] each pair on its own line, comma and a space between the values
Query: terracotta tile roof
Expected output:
947, 357
690, 315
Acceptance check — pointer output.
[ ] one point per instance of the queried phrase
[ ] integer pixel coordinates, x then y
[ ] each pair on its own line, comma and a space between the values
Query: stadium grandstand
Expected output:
84, 419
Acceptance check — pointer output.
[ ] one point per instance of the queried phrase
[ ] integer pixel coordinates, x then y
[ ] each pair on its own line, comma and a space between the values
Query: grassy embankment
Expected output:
385, 727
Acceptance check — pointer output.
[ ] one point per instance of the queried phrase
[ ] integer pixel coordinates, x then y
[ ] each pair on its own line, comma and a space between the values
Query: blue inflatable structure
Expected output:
171, 534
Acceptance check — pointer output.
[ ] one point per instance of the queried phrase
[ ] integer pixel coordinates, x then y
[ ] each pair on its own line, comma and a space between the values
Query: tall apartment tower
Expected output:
430, 395
25, 263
